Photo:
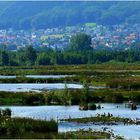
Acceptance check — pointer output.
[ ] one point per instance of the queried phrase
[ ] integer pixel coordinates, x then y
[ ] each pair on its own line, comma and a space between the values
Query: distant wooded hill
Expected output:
27, 15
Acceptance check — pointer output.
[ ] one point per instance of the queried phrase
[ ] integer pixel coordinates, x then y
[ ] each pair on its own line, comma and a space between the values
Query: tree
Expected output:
4, 58
67, 95
30, 55
80, 42
6, 113
85, 91
43, 59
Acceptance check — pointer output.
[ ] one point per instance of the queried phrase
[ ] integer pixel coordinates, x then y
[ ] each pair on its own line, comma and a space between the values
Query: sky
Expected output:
69, 0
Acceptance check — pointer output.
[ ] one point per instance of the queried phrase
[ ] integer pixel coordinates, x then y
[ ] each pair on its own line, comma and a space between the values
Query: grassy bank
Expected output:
124, 68
22, 98
86, 134
71, 79
25, 128
103, 119
68, 97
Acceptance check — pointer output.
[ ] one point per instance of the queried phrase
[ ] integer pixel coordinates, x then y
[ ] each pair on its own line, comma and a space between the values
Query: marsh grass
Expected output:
87, 69
69, 97
25, 128
17, 127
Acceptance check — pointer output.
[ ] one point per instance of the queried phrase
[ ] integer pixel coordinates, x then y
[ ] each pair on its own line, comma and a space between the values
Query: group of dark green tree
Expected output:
46, 14
79, 51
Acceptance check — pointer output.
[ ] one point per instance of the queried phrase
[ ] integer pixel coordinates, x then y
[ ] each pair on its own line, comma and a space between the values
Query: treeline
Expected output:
30, 56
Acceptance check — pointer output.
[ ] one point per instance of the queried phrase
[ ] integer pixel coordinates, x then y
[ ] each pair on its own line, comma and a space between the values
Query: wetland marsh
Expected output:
58, 97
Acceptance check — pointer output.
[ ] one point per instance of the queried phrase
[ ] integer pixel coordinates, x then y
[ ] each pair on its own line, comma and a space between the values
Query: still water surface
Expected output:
37, 76
22, 87
62, 112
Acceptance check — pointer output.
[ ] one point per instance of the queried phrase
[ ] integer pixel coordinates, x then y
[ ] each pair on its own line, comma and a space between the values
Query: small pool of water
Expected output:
6, 77
126, 131
37, 76
23, 87
49, 76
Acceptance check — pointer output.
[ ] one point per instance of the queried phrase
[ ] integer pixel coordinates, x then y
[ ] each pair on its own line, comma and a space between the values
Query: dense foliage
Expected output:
27, 128
29, 56
27, 15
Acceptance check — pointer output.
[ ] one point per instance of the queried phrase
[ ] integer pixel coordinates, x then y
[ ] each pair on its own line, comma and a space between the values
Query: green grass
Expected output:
87, 69
17, 127
21, 98
69, 97
102, 118
105, 119
25, 128
113, 75
83, 134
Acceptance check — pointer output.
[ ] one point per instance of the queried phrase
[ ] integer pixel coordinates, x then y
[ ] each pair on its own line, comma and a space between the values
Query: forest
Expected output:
48, 14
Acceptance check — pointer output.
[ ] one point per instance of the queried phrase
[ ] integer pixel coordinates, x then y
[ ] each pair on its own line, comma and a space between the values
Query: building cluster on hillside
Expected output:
117, 36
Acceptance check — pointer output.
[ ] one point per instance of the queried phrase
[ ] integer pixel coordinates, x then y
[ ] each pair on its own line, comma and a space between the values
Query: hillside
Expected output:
26, 15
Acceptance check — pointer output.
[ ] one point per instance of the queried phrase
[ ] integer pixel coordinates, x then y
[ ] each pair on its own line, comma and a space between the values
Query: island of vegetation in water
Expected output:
104, 119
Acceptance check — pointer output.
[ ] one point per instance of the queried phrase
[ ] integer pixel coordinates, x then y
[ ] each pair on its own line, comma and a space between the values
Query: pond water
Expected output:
62, 112
37, 76
6, 77
126, 131
22, 87
49, 76
36, 87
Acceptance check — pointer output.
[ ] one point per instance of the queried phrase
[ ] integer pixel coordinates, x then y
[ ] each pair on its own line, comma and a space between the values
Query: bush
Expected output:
34, 99
6, 113
83, 106
17, 127
92, 106
118, 98
115, 98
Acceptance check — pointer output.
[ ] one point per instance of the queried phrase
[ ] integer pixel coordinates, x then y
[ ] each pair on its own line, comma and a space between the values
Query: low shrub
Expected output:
34, 99
91, 106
